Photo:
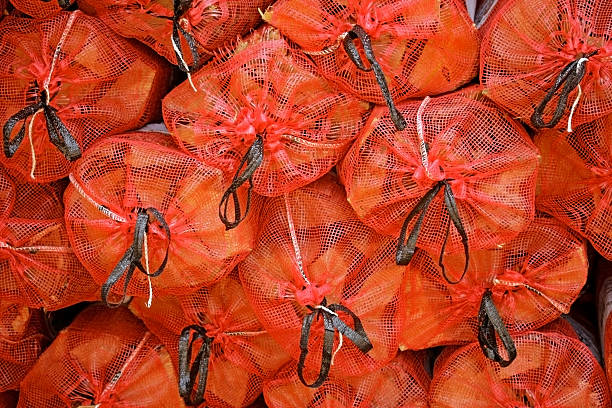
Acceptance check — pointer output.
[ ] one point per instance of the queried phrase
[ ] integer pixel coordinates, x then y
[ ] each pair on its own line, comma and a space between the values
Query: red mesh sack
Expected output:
105, 358
21, 342
402, 382
263, 115
407, 44
551, 370
185, 32
66, 81
38, 267
41, 8
528, 282
317, 269
216, 326
575, 180
549, 62
137, 204
459, 161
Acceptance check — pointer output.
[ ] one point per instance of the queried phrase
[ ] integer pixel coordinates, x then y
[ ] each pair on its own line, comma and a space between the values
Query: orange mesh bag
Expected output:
231, 351
551, 370
402, 382
459, 161
105, 358
575, 180
66, 81
263, 115
525, 284
323, 284
38, 267
137, 204
21, 342
41, 8
407, 44
549, 62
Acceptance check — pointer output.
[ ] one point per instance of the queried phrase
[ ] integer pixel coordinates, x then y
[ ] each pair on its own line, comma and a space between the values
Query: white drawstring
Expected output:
145, 244
104, 210
296, 248
575, 104
183, 63
421, 134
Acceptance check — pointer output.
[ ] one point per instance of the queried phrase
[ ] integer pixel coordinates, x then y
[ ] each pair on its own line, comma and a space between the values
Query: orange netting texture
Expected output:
312, 249
403, 382
73, 72
411, 40
41, 8
529, 43
533, 280
551, 370
265, 88
575, 180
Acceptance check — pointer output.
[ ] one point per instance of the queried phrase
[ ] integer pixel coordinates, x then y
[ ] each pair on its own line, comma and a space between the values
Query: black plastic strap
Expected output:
571, 75
250, 163
62, 3
180, 7
451, 207
331, 323
131, 259
357, 32
489, 323
199, 370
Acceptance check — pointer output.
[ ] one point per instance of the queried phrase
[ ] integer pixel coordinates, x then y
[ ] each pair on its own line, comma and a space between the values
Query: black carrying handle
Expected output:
180, 7
357, 32
199, 370
131, 259
331, 323
490, 323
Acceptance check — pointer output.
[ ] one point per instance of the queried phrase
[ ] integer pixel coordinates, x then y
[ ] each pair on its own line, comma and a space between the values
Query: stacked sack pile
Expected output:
305, 203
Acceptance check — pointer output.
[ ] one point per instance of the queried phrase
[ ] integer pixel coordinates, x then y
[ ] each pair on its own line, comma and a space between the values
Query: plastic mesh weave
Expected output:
489, 159
550, 370
527, 45
533, 279
575, 180
403, 382
265, 87
424, 47
135, 171
40, 8
106, 357
100, 84
243, 355
343, 261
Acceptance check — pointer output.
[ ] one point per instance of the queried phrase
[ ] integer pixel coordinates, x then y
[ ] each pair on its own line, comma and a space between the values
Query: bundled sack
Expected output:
215, 333
136, 204
523, 285
402, 382
66, 81
21, 342
38, 267
551, 370
459, 161
575, 180
323, 284
185, 32
549, 62
263, 116
105, 358
42, 8
412, 47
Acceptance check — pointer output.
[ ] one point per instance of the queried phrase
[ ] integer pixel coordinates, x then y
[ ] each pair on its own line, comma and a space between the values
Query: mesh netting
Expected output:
41, 8
575, 180
211, 23
307, 258
423, 47
403, 382
488, 162
38, 267
551, 370
8, 399
242, 354
67, 81
265, 88
528, 45
123, 177
104, 357
21, 341
603, 272
533, 279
